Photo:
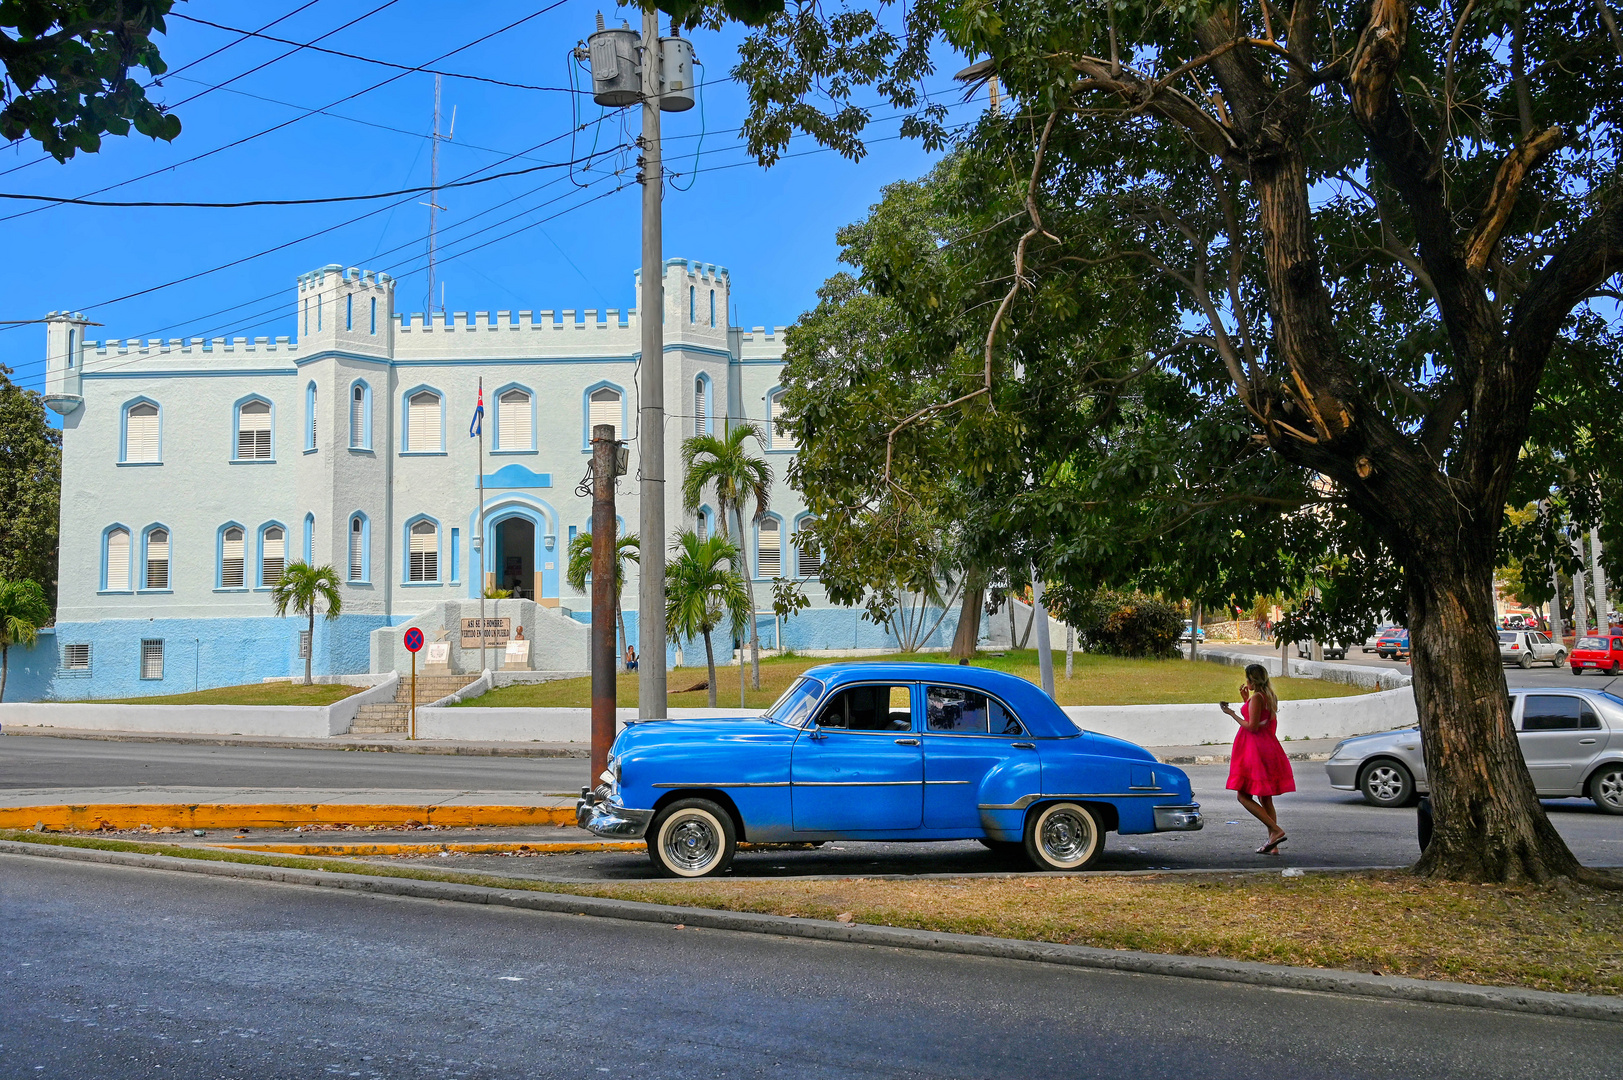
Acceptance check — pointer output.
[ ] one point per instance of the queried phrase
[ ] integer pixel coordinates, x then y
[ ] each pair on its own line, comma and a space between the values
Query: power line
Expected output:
382, 63
311, 112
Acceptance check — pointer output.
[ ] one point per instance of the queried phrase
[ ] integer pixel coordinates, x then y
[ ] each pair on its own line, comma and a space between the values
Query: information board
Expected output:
497, 631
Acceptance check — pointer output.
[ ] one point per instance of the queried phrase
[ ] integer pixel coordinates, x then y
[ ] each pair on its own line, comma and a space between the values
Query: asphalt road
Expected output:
121, 974
1327, 828
34, 761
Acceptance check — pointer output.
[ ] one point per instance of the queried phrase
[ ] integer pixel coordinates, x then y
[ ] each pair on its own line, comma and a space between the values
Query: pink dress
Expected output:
1258, 765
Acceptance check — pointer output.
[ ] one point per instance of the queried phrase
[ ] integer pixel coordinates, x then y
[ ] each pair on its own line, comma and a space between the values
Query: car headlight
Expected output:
1340, 746
611, 773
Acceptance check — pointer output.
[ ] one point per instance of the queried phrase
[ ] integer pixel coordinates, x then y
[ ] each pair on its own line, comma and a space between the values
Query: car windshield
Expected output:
1596, 643
796, 703
1509, 638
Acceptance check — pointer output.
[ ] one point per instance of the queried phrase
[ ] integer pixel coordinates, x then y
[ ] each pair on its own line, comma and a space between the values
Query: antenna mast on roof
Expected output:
433, 202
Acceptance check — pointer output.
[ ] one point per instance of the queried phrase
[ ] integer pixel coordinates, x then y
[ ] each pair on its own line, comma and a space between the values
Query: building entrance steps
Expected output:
393, 717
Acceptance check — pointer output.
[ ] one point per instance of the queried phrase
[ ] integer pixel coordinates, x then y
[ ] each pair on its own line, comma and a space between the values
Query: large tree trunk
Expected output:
5, 663
310, 652
969, 625
1488, 822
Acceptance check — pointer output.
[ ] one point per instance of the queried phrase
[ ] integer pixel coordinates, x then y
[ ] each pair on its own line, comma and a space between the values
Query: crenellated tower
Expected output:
346, 310
64, 360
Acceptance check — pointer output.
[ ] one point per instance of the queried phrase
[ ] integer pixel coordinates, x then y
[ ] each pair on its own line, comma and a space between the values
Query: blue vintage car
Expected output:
884, 751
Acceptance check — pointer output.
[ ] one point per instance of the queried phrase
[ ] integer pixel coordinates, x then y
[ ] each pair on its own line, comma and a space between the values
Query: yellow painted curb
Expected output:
273, 815
542, 848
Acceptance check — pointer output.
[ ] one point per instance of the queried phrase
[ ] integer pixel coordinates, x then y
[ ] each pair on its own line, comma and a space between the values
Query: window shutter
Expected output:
157, 575
357, 417
423, 423
425, 552
811, 557
769, 553
141, 433
781, 439
701, 409
274, 557
513, 421
231, 560
254, 432
357, 550
605, 410
118, 560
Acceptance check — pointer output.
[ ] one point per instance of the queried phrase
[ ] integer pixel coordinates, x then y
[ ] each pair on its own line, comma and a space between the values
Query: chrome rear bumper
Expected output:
596, 814
1178, 818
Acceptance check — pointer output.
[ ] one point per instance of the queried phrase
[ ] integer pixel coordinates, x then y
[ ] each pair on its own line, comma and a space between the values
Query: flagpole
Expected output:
484, 657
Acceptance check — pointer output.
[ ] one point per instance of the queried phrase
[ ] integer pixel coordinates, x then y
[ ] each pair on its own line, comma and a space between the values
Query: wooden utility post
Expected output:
604, 691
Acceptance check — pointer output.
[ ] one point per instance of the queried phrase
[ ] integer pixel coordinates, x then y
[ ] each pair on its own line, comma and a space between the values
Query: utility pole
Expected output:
604, 668
651, 427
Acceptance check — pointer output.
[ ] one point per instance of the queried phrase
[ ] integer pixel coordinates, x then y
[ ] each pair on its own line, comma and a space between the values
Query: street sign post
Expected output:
414, 642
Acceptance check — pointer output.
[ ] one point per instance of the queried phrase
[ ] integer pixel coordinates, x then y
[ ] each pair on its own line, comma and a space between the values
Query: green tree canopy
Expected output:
303, 588
30, 487
704, 590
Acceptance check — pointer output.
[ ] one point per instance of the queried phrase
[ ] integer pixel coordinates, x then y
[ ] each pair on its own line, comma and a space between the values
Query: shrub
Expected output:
1130, 624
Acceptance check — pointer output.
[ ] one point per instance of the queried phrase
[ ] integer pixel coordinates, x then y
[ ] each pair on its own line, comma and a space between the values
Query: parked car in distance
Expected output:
1372, 643
1393, 644
1188, 625
1332, 651
884, 751
1524, 648
1598, 652
1572, 741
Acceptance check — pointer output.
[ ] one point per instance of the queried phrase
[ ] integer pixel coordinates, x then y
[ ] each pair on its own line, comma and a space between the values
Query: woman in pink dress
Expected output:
1258, 766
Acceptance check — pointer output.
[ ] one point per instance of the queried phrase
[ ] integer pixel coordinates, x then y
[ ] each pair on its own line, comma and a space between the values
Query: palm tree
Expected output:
23, 610
703, 587
580, 565
738, 477
300, 586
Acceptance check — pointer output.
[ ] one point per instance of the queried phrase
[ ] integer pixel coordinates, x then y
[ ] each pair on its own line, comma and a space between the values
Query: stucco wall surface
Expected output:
1190, 725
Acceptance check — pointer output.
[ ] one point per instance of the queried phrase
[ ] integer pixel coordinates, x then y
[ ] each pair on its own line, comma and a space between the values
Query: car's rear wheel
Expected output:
1606, 788
692, 838
1386, 783
1577, 671
1560, 659
1064, 836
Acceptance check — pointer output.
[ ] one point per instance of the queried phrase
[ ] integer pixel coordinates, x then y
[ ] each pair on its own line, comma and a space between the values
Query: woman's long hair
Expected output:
1257, 676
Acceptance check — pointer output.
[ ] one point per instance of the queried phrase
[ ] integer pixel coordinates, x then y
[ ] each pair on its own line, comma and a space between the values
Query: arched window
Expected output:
254, 431
424, 434
73, 337
141, 432
514, 430
693, 304
232, 555
424, 562
712, 307
310, 417
157, 559
117, 572
778, 437
360, 418
808, 556
769, 549
309, 539
604, 409
357, 548
701, 407
349, 312
374, 315
272, 555
702, 528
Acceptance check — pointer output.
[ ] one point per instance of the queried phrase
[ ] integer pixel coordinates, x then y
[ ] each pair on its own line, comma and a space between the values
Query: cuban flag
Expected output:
477, 427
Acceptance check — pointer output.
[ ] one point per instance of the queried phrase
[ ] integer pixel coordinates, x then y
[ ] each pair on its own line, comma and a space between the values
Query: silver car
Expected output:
1572, 741
1524, 648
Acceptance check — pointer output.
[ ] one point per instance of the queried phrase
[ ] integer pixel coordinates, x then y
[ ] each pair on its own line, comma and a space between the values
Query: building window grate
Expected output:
152, 658
76, 657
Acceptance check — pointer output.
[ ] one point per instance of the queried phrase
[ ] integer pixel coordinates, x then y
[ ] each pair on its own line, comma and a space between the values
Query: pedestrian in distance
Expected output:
1259, 768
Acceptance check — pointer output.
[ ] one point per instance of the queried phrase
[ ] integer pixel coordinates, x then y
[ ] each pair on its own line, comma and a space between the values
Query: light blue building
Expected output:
194, 470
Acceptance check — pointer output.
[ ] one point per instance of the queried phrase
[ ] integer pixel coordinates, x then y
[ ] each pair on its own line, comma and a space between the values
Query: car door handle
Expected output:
1024, 745
907, 742
1586, 742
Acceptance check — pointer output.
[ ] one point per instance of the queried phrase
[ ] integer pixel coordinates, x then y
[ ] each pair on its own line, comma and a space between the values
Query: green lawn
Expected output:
278, 693
1098, 680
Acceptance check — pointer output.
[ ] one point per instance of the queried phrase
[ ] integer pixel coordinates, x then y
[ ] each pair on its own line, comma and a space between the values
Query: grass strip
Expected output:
277, 693
1562, 937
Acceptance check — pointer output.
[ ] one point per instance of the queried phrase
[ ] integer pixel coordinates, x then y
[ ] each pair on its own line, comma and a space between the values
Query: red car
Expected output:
1598, 653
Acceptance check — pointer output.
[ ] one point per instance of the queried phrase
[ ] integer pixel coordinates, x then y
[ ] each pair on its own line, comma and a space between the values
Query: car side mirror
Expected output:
816, 733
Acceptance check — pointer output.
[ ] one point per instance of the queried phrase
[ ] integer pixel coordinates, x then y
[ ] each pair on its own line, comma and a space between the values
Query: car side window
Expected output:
1617, 643
869, 708
1552, 712
955, 710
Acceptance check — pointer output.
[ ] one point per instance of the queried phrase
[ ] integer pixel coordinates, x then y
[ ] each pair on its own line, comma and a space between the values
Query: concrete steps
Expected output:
395, 716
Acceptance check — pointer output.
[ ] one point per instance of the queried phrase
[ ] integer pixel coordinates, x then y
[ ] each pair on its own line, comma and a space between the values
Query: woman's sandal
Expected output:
1272, 846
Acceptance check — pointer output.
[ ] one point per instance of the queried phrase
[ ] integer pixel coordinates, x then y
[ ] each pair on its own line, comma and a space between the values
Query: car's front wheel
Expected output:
692, 838
1386, 783
1064, 836
1606, 788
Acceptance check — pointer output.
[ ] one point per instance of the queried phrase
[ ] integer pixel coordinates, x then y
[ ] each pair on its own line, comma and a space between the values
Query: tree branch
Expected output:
1507, 184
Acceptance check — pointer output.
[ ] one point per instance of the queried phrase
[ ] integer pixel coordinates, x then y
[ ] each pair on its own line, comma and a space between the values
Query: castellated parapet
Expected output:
346, 310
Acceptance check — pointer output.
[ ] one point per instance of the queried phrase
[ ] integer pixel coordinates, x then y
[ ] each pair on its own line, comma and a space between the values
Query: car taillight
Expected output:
1513, 648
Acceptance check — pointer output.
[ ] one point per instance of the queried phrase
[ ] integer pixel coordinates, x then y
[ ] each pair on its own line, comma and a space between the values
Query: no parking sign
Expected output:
414, 639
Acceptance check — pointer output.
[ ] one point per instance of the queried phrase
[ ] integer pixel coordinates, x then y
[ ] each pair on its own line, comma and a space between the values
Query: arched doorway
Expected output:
514, 564
520, 547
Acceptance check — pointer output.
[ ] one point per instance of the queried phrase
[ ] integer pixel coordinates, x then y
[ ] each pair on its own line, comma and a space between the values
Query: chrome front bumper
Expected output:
596, 814
1178, 818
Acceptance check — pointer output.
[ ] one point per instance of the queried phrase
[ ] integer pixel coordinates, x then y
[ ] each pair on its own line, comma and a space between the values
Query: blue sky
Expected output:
772, 228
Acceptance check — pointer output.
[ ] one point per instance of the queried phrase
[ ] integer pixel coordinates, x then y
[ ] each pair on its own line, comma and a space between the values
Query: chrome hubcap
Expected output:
691, 843
1066, 836
1611, 788
1385, 783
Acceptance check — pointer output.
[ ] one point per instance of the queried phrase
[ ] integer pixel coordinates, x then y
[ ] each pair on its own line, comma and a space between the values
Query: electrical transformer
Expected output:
676, 74
616, 76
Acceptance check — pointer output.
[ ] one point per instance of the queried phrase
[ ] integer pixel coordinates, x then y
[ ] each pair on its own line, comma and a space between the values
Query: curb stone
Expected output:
1389, 988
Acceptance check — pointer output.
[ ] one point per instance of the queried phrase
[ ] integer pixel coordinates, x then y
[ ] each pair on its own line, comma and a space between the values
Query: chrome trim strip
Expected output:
725, 783
857, 783
1026, 800
947, 782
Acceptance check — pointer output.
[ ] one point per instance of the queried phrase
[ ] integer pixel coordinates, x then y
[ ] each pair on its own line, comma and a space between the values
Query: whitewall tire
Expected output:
1064, 836
692, 838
